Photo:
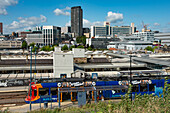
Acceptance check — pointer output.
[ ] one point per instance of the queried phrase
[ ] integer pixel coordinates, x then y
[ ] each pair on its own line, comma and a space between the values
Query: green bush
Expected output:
65, 47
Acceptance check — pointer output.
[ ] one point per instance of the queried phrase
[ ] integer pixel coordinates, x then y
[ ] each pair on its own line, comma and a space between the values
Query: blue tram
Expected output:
41, 92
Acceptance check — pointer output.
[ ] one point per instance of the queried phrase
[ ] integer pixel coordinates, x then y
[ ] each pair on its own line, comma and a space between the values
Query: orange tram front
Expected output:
42, 92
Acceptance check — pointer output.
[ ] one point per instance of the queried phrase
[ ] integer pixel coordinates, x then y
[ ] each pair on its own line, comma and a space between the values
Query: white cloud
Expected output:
24, 23
68, 23
4, 4
64, 11
67, 8
156, 24
114, 17
87, 23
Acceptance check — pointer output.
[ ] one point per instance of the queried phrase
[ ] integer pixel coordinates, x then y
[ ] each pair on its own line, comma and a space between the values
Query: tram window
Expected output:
35, 92
100, 92
151, 87
117, 91
135, 88
54, 91
143, 88
63, 75
44, 91
124, 90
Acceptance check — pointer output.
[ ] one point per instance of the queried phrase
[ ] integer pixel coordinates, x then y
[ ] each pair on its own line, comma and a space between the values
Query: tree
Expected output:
73, 46
24, 45
32, 44
52, 48
89, 48
47, 48
81, 39
65, 47
43, 48
33, 50
80, 46
149, 48
92, 46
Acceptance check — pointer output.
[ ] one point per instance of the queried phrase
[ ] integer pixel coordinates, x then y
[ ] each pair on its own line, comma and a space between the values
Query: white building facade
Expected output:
62, 64
131, 45
163, 37
51, 35
145, 36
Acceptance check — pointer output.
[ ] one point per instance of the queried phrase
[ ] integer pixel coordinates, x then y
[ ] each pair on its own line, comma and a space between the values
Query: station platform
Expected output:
13, 89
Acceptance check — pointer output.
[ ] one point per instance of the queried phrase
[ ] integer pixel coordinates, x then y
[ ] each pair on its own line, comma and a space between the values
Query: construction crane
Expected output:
144, 26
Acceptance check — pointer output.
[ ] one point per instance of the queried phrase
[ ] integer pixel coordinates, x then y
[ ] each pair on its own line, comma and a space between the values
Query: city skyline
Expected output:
20, 15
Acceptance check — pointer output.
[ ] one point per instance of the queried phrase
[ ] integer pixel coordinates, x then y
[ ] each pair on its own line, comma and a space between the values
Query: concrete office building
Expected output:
51, 35
66, 29
163, 37
133, 28
1, 28
145, 36
100, 43
101, 31
36, 38
77, 21
122, 30
10, 44
24, 33
107, 31
62, 64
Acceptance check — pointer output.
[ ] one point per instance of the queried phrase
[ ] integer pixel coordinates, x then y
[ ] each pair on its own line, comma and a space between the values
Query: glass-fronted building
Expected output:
51, 35
107, 31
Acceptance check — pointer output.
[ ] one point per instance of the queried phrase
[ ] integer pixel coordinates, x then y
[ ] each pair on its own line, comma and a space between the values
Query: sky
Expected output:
21, 15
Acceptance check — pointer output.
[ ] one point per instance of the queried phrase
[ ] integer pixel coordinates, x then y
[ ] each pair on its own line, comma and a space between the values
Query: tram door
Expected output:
54, 92
73, 96
99, 94
66, 96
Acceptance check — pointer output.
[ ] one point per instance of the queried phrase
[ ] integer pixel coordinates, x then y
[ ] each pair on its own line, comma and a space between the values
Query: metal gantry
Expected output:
93, 88
30, 76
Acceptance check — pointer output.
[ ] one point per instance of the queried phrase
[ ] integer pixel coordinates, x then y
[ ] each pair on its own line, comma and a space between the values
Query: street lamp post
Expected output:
35, 65
131, 74
130, 69
30, 75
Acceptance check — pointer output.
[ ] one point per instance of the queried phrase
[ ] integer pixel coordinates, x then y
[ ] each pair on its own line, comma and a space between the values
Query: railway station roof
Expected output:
142, 71
143, 59
108, 65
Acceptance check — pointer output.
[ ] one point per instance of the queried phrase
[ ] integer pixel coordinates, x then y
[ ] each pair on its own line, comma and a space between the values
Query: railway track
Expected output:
12, 98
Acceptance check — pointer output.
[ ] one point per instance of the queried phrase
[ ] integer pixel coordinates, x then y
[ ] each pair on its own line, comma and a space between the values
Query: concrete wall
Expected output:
79, 53
62, 64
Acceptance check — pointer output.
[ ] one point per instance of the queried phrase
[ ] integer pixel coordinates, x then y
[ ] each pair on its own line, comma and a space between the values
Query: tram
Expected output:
41, 92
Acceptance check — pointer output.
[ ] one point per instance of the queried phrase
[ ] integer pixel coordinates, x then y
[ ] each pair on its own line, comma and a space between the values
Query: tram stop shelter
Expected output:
82, 92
